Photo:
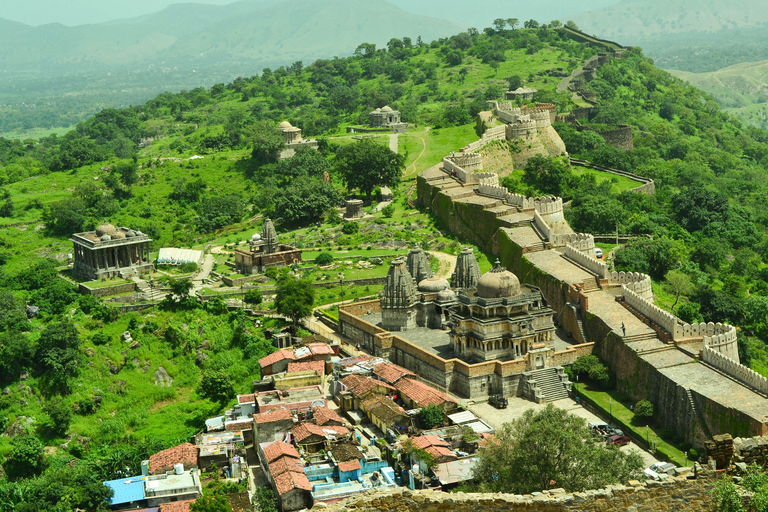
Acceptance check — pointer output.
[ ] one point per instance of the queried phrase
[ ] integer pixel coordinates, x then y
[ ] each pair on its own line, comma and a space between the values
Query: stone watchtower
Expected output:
269, 237
418, 265
398, 298
467, 271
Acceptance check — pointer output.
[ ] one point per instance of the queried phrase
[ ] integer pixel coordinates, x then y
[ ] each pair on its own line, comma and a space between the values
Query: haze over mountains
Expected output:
52, 69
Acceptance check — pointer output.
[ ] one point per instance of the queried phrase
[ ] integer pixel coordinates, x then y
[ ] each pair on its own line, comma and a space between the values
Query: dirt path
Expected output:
393, 143
423, 149
447, 263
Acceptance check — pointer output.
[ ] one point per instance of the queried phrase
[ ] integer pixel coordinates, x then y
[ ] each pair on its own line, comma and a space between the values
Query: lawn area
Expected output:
620, 183
615, 405
427, 148
35, 133
95, 285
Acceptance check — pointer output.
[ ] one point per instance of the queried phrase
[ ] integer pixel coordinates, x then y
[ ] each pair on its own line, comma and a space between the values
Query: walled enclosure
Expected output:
680, 407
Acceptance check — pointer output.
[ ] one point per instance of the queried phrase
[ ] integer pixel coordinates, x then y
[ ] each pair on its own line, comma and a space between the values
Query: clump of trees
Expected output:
548, 449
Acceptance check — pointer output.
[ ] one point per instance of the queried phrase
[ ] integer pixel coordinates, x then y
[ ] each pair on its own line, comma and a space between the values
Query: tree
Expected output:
27, 457
431, 416
547, 449
679, 283
253, 297
265, 497
324, 258
7, 209
547, 175
294, 298
58, 354
366, 165
180, 287
644, 409
267, 141
211, 503
304, 200
514, 81
591, 367
60, 414
219, 211
216, 386
16, 354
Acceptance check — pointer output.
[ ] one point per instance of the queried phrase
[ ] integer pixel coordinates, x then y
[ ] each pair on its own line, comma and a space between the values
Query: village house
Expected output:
299, 400
385, 414
272, 425
313, 438
185, 454
290, 483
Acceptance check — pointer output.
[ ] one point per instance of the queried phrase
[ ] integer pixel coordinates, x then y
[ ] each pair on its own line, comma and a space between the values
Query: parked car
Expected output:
598, 253
662, 467
618, 440
498, 401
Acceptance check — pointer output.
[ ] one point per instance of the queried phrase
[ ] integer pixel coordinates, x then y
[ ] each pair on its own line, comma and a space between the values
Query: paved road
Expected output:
393, 142
203, 273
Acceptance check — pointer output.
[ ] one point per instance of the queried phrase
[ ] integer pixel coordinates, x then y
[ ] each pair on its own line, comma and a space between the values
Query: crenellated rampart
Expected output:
635, 281
593, 265
736, 370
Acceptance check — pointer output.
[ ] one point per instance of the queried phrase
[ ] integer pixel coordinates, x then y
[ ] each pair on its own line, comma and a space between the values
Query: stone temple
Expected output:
293, 140
265, 251
385, 117
501, 320
110, 252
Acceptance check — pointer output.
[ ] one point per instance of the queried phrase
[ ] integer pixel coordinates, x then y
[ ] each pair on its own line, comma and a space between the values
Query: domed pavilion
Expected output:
501, 320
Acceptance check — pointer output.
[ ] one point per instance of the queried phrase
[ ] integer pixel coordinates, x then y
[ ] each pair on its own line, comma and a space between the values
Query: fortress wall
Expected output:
675, 494
735, 370
647, 187
543, 226
667, 321
586, 261
619, 137
468, 161
550, 208
584, 242
635, 281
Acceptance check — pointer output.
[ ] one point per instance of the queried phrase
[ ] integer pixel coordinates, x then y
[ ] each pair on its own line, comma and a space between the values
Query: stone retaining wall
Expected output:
542, 226
107, 290
676, 494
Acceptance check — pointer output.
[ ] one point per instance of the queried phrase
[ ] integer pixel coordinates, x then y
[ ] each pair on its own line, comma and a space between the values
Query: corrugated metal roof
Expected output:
127, 490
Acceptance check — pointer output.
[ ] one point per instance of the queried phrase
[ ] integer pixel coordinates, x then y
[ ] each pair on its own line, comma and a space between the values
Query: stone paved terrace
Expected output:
603, 304
524, 236
557, 265
516, 217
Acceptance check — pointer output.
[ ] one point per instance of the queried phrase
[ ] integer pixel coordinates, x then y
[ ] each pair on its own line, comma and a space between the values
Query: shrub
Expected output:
644, 409
271, 272
324, 258
188, 268
253, 297
99, 339
350, 228
431, 416
388, 211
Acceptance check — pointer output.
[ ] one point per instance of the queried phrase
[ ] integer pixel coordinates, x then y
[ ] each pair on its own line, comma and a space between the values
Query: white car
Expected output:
598, 253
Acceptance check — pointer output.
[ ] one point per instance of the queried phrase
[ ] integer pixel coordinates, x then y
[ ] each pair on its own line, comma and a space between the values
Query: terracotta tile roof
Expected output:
420, 393
273, 415
239, 425
305, 430
324, 415
246, 399
435, 446
320, 349
279, 449
345, 452
276, 357
290, 480
350, 466
318, 366
425, 441
163, 461
176, 506
391, 373
351, 361
285, 463
361, 386
385, 409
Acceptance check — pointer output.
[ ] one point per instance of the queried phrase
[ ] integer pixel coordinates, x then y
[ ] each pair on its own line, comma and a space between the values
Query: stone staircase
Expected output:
546, 385
579, 322
697, 414
150, 294
590, 285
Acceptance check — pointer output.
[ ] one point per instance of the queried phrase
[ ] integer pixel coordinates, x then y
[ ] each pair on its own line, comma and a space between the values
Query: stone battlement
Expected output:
684, 493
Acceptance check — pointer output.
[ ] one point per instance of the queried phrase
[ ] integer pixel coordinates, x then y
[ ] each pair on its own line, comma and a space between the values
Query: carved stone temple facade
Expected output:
110, 252
265, 251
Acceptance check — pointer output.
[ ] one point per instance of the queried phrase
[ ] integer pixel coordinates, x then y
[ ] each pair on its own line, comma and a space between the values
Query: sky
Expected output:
80, 12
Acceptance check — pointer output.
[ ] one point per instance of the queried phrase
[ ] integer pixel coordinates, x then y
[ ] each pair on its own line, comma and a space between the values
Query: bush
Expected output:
644, 409
324, 258
253, 297
350, 228
388, 211
188, 268
271, 272
431, 416
99, 339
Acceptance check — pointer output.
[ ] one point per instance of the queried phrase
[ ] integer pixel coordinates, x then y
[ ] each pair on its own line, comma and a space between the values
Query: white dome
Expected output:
256, 237
386, 109
285, 125
433, 284
498, 283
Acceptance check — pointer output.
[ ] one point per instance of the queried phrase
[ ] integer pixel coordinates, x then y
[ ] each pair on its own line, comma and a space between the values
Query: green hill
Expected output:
82, 405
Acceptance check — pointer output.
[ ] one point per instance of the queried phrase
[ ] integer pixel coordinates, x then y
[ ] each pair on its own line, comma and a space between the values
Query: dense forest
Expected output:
701, 236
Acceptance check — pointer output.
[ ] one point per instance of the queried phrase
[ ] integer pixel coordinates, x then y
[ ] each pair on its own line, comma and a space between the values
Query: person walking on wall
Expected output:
623, 330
